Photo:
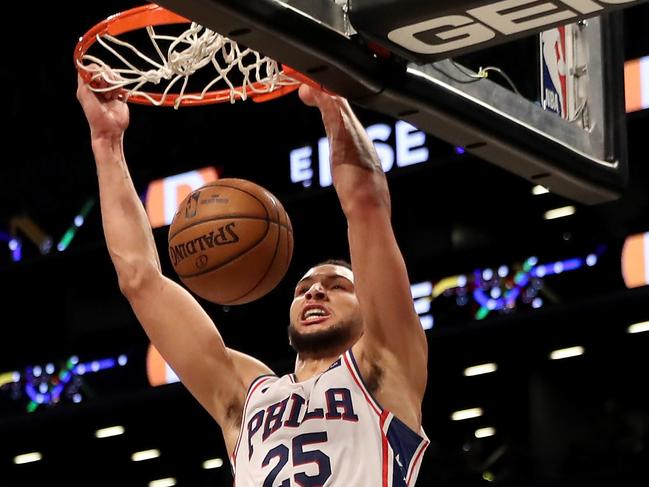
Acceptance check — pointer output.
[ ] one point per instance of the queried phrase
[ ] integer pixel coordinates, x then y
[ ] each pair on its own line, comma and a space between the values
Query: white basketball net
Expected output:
196, 48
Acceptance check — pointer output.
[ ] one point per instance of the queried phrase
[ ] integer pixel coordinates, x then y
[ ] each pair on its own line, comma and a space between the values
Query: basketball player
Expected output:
350, 414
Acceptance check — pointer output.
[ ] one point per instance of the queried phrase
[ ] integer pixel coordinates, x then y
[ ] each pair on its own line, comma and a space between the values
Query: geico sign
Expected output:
481, 24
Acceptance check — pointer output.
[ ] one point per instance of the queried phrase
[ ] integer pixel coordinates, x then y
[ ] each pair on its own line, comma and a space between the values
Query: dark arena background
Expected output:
535, 305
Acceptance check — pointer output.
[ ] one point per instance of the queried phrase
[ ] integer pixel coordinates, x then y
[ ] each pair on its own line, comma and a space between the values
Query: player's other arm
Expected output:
392, 327
176, 324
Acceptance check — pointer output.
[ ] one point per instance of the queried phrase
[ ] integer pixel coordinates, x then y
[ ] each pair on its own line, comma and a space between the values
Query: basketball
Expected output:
231, 241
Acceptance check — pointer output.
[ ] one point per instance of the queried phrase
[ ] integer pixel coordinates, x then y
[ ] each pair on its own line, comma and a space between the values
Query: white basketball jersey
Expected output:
327, 431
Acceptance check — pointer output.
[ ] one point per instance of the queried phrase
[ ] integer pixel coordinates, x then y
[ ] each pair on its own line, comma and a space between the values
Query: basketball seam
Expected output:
270, 222
227, 217
218, 183
259, 240
280, 225
272, 261
267, 220
226, 263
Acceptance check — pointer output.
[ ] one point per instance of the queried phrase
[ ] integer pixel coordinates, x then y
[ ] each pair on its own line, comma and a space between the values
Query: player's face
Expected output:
325, 314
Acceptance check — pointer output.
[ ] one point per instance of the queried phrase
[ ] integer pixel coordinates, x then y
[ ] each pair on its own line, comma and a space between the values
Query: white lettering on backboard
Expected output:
481, 24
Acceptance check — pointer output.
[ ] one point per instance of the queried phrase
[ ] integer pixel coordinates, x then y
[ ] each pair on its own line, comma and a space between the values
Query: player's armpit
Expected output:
190, 343
381, 283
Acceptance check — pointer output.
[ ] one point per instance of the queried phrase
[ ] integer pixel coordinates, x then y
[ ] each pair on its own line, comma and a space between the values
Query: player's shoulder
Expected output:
261, 380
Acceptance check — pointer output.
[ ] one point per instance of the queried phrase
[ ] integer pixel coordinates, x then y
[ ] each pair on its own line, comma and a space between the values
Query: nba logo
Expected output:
556, 77
192, 205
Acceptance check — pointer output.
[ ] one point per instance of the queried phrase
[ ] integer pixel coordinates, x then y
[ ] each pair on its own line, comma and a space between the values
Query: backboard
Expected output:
397, 58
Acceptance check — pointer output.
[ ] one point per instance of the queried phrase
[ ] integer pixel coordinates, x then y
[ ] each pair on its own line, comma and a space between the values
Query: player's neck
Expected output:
307, 367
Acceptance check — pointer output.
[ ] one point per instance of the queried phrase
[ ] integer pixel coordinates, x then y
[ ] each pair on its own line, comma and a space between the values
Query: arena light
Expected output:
166, 482
27, 458
466, 414
485, 432
140, 456
110, 431
164, 195
566, 353
635, 260
16, 247
539, 190
639, 327
636, 84
213, 463
559, 212
32, 231
480, 369
421, 294
427, 322
9, 377
78, 221
158, 370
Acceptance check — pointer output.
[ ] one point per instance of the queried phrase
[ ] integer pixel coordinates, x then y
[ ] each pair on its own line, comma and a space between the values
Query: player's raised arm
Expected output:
393, 333
174, 321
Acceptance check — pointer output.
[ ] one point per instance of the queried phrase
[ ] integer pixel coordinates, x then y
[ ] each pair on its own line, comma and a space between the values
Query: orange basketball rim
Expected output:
259, 78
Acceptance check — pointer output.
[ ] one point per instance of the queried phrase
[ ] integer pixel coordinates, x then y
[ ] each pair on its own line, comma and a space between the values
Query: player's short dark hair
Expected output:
340, 262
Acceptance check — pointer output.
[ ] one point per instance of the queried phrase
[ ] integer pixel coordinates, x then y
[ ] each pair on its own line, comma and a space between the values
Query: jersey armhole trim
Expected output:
254, 385
386, 418
355, 372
